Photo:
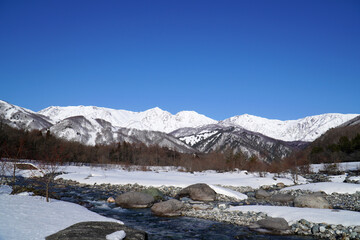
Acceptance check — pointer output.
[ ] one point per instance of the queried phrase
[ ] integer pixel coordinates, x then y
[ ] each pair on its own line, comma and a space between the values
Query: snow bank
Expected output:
228, 192
327, 187
338, 178
293, 214
25, 217
9, 168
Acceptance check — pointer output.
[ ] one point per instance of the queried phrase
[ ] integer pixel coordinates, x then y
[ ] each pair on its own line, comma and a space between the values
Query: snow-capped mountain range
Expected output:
155, 119
186, 131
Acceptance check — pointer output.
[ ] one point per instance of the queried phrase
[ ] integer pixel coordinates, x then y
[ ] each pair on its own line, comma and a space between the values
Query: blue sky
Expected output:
274, 59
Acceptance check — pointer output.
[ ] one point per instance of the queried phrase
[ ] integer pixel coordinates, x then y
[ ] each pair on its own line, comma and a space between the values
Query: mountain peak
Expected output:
156, 110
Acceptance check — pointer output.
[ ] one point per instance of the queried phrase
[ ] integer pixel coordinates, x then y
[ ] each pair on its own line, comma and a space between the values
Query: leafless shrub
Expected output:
331, 169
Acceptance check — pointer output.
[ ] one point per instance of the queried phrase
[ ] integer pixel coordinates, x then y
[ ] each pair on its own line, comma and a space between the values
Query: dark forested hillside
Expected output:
340, 144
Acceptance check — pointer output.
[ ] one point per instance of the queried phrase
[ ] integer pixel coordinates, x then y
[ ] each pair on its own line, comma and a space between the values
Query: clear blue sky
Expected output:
275, 59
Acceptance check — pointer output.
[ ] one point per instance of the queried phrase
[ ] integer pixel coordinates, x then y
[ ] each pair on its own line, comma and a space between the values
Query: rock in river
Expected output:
96, 231
134, 200
156, 193
274, 224
168, 208
198, 192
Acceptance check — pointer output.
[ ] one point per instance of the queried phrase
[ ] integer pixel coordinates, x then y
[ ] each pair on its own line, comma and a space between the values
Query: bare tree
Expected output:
15, 157
4, 168
50, 166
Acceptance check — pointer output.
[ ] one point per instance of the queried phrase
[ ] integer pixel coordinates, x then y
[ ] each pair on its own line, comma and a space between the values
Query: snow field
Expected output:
27, 217
92, 175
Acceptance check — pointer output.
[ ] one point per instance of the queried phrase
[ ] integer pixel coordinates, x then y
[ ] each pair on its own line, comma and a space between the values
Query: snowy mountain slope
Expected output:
153, 119
216, 137
305, 129
22, 118
153, 138
86, 131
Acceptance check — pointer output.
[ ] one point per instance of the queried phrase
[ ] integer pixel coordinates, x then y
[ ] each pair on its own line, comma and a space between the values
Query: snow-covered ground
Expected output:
31, 217
92, 175
293, 214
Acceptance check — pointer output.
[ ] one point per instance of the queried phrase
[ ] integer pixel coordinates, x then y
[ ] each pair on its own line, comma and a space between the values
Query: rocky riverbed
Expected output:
218, 210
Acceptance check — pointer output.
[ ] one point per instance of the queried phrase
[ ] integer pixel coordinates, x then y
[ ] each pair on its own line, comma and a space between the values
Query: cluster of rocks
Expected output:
170, 207
350, 175
311, 200
345, 201
261, 222
220, 214
327, 231
271, 195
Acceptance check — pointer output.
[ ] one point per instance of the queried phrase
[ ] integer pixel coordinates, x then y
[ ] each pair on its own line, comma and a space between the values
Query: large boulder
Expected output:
198, 192
170, 208
311, 201
96, 231
156, 193
274, 224
134, 200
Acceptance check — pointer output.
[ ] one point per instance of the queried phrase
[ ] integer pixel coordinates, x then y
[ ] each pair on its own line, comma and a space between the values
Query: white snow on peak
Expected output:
154, 119
304, 129
9, 108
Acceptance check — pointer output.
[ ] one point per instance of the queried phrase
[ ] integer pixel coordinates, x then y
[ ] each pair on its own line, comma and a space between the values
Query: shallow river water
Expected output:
162, 227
